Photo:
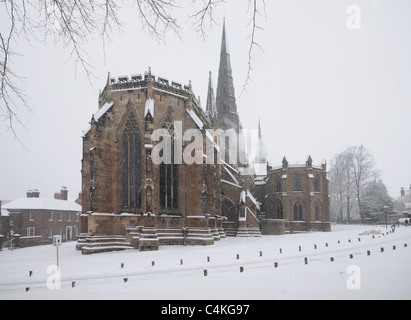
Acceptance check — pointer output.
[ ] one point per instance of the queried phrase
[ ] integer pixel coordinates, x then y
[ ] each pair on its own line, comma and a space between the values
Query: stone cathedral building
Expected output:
130, 200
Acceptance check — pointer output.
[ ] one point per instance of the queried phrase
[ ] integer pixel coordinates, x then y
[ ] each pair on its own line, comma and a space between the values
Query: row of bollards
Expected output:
205, 271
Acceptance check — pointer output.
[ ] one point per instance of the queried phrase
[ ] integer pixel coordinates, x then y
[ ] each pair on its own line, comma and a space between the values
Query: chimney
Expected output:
29, 194
402, 192
35, 193
64, 193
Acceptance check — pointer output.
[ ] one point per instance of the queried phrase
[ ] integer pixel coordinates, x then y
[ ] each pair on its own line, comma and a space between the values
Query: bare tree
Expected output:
72, 23
342, 184
363, 168
336, 176
350, 173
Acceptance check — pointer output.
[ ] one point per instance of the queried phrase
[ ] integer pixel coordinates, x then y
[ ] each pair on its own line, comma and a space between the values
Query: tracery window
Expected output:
168, 172
298, 186
131, 164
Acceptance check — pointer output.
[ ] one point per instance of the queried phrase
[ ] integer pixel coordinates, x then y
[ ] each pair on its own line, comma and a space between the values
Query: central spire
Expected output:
226, 102
211, 109
262, 155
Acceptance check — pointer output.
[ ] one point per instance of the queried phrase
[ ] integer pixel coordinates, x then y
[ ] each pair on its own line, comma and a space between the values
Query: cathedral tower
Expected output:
226, 102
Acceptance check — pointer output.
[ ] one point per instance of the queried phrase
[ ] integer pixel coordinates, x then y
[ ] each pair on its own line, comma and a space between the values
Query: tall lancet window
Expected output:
131, 164
168, 172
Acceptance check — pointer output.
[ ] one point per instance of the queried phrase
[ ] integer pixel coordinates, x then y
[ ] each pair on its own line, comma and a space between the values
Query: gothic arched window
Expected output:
278, 183
131, 164
316, 183
228, 209
169, 172
298, 186
280, 214
317, 212
298, 211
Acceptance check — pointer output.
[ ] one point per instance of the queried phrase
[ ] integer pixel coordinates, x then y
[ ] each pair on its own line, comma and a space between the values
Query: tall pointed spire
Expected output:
211, 109
226, 102
262, 155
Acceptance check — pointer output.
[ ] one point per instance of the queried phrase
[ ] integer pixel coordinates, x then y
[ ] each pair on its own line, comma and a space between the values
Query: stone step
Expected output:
108, 248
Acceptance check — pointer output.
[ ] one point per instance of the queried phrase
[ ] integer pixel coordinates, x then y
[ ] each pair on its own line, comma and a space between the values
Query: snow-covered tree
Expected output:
341, 186
363, 166
350, 173
374, 198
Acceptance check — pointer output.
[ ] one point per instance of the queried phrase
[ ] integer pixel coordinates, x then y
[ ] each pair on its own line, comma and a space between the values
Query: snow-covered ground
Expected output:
380, 275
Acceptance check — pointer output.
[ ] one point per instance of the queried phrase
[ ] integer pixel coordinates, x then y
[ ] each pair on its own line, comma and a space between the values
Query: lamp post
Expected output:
386, 217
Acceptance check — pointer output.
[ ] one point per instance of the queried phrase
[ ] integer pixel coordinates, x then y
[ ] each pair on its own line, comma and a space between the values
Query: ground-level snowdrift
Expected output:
296, 266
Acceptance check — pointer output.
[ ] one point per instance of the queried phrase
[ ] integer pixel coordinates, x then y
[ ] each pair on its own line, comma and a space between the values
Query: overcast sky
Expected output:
318, 87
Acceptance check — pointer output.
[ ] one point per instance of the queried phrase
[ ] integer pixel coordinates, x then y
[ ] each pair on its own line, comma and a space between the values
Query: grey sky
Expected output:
318, 87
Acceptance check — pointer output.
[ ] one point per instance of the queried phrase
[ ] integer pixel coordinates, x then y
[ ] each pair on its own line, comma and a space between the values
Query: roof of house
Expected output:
41, 204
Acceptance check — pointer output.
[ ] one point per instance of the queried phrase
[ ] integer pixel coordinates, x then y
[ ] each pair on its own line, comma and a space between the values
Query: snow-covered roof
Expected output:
260, 168
42, 204
101, 112
196, 119
201, 126
250, 195
231, 175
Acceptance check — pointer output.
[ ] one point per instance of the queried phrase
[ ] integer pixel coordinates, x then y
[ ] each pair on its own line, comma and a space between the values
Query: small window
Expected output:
50, 232
68, 216
51, 214
317, 212
31, 232
316, 183
278, 183
31, 216
60, 216
280, 214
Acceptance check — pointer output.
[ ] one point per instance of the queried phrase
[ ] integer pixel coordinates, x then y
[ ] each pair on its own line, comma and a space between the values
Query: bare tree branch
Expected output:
204, 16
73, 22
156, 17
9, 92
252, 39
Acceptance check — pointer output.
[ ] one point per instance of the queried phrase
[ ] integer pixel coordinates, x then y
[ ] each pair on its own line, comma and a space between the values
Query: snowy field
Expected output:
380, 275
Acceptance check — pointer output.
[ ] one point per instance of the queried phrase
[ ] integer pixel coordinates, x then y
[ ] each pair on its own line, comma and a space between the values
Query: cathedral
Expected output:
130, 199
